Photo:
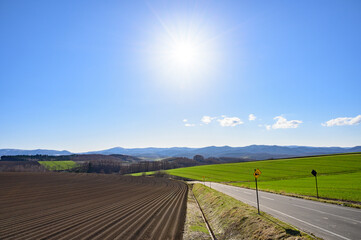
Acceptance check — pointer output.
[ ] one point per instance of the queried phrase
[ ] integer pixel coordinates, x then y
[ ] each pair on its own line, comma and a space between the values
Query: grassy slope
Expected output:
58, 165
232, 219
338, 175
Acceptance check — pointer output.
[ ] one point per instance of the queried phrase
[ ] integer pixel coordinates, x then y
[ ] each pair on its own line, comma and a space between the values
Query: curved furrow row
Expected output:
122, 219
60, 219
104, 218
69, 206
90, 206
62, 216
51, 195
139, 221
178, 218
167, 222
157, 222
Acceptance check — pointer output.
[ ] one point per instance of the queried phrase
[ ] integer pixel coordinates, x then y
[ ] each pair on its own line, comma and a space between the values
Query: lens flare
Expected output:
182, 52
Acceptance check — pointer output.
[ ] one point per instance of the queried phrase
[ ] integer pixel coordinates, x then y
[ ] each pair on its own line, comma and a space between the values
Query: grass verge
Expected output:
232, 219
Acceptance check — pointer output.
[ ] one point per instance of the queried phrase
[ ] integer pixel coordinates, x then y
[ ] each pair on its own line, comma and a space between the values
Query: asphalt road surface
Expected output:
327, 221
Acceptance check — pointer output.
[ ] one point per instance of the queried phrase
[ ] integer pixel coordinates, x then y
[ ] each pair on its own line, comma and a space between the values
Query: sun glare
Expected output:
184, 54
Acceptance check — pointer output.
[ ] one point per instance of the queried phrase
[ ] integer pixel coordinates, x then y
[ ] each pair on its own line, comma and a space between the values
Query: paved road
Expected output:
327, 221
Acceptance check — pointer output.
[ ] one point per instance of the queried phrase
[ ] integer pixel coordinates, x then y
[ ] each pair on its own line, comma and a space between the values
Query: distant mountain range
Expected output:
255, 152
11, 152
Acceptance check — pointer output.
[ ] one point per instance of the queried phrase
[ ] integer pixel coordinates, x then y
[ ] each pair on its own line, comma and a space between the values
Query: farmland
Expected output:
90, 206
20, 166
58, 165
338, 175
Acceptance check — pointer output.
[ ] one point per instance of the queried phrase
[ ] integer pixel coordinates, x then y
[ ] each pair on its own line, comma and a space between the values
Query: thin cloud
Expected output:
283, 123
189, 125
229, 121
207, 119
251, 117
342, 121
185, 120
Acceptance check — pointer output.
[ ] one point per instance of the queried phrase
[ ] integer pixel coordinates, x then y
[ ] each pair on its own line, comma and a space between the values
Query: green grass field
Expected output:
141, 174
339, 176
58, 165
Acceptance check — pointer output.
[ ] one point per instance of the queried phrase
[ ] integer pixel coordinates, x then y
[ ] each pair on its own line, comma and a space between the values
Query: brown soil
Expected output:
90, 206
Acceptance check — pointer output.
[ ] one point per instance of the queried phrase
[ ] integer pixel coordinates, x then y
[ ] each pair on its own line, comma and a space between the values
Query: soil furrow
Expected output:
90, 206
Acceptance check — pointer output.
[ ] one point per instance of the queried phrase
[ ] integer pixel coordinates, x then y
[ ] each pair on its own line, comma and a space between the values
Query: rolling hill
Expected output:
338, 175
252, 152
255, 152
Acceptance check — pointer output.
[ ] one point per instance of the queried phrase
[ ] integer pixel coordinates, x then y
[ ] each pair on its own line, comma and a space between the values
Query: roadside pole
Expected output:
314, 173
256, 174
257, 196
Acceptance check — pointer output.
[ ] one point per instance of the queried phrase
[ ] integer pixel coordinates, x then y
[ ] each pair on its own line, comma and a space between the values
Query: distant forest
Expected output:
73, 157
108, 164
34, 158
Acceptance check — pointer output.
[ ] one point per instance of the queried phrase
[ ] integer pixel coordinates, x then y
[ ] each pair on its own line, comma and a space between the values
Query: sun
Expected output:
182, 57
184, 54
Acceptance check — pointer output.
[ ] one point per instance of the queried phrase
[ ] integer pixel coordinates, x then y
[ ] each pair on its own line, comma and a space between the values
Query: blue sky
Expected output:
89, 75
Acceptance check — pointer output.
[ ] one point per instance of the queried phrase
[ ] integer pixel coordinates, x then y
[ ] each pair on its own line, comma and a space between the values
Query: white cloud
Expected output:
342, 121
268, 127
283, 123
251, 117
207, 119
185, 120
229, 121
189, 125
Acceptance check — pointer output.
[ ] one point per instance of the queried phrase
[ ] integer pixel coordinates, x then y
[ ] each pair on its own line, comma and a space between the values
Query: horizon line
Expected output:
34, 149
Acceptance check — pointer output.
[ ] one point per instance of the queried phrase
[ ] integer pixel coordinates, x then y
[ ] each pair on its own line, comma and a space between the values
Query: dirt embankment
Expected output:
232, 219
90, 206
195, 227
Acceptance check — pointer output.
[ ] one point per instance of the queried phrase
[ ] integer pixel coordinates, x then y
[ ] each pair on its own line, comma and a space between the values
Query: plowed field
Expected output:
87, 206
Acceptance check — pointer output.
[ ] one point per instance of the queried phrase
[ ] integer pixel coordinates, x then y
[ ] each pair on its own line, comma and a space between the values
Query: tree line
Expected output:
107, 164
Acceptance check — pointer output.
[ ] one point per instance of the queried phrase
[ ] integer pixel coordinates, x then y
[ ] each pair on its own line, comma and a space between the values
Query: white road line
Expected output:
307, 223
350, 219
309, 201
267, 198
325, 230
323, 204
